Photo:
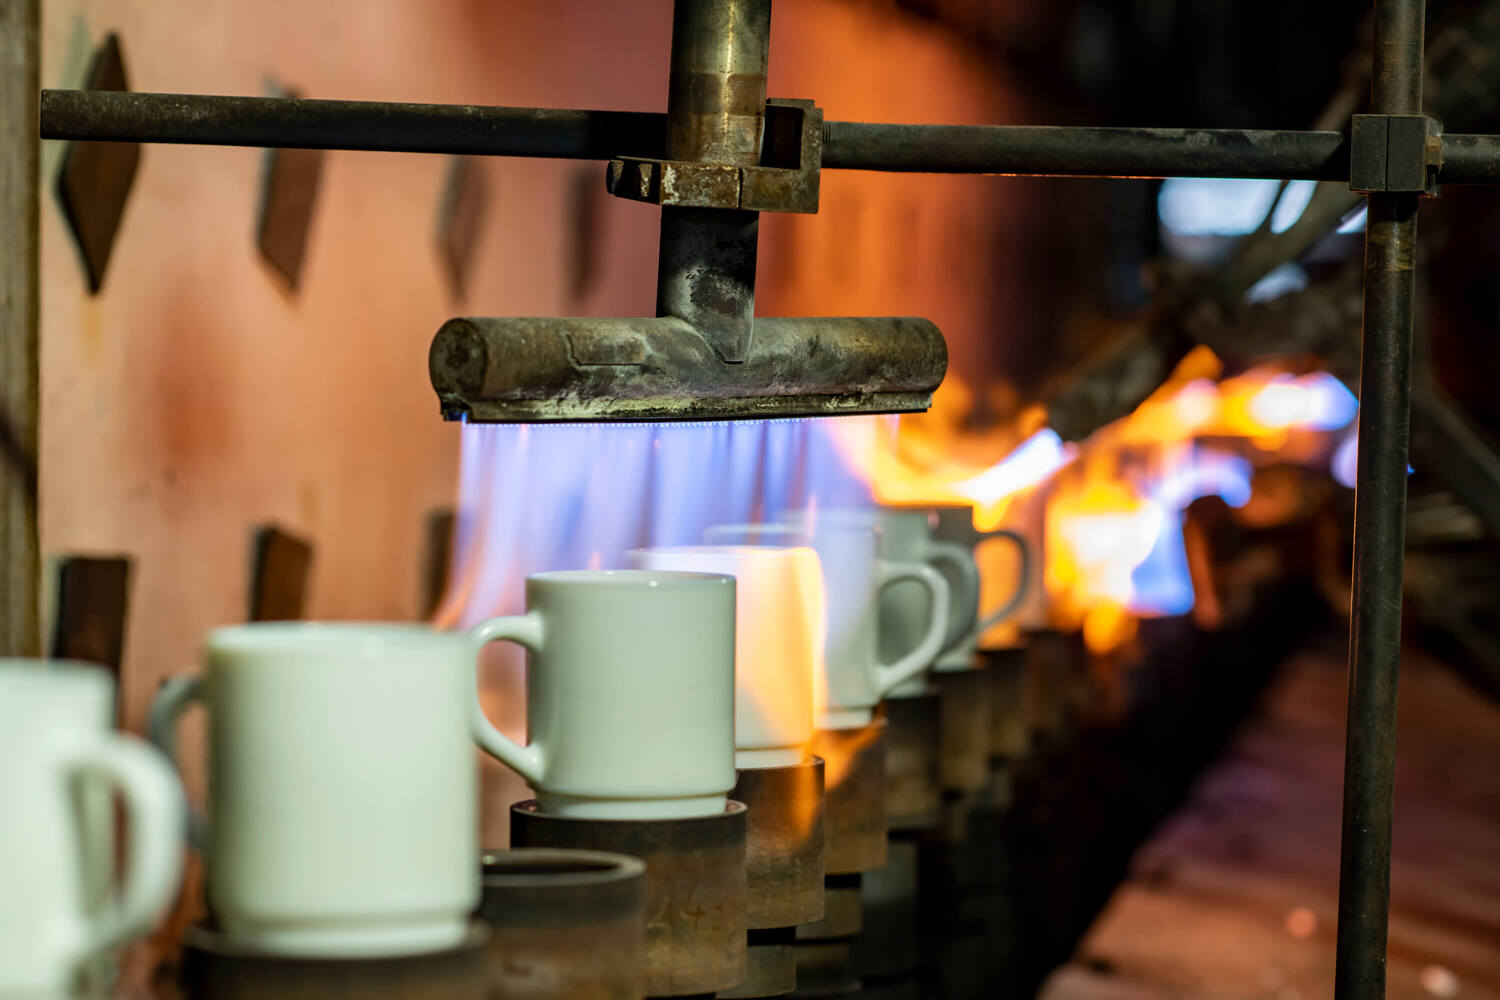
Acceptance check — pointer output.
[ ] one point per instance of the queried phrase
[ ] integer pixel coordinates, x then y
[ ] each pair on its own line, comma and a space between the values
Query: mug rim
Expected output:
289, 635
724, 549
534, 867
817, 521
777, 528
619, 579
40, 671
904, 510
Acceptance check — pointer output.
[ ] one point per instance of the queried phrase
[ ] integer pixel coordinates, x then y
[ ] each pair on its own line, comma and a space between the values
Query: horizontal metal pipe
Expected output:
1085, 151
292, 123
512, 370
601, 135
1470, 159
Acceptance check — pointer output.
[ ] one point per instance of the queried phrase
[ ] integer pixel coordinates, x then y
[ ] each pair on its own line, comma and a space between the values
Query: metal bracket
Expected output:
95, 179
1395, 154
786, 179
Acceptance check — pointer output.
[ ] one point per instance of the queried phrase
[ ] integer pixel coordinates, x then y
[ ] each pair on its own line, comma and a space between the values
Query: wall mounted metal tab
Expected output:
289, 193
93, 604
95, 178
461, 217
278, 581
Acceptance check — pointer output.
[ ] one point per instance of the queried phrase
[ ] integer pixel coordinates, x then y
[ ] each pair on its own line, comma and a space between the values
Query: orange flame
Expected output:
1107, 510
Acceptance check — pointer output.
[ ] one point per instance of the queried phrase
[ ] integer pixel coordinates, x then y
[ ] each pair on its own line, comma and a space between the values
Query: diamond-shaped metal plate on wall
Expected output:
289, 192
461, 219
95, 178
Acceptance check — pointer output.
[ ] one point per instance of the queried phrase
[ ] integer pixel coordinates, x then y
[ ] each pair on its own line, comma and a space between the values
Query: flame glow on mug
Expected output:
855, 677
954, 523
908, 533
779, 609
343, 790
57, 749
629, 693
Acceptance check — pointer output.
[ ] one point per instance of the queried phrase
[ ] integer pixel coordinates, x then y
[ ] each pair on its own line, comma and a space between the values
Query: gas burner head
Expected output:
588, 369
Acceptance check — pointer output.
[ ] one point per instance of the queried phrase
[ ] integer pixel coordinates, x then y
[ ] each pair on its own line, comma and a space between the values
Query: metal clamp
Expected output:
786, 179
1395, 154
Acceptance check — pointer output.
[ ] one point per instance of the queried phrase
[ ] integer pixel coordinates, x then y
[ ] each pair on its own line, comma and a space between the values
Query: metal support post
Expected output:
1379, 529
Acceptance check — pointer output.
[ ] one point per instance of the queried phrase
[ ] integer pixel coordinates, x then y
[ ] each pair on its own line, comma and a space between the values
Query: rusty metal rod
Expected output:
1470, 159
293, 123
602, 135
1379, 531
1085, 151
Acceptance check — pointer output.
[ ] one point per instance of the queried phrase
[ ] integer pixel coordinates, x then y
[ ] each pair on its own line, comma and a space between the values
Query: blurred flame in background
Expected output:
1112, 529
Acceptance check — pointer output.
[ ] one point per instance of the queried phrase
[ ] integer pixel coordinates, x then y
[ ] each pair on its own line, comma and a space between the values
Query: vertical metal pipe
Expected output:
1379, 530
716, 95
716, 102
20, 573
1396, 85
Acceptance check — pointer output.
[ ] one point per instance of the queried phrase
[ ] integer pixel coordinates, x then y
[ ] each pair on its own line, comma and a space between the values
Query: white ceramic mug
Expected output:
954, 524
908, 533
629, 693
855, 677
778, 647
57, 740
342, 799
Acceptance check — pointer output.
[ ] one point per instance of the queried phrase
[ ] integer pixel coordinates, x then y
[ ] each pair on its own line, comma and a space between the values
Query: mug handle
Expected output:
1023, 580
172, 699
889, 675
525, 630
966, 596
156, 811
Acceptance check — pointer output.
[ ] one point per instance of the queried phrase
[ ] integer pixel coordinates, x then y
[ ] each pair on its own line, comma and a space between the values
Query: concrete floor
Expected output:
1236, 894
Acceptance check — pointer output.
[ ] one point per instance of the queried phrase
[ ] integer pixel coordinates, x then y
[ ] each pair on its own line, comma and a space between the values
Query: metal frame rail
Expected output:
1394, 155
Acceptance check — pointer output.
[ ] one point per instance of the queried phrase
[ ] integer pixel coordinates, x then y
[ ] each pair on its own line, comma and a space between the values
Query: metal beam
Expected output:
562, 133
1470, 159
298, 123
1087, 152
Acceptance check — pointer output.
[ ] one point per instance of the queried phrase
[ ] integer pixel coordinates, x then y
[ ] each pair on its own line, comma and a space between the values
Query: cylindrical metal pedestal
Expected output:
1005, 675
1056, 682
215, 968
963, 730
564, 925
695, 888
855, 824
825, 967
854, 789
913, 790
887, 948
785, 842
